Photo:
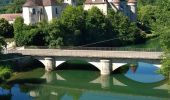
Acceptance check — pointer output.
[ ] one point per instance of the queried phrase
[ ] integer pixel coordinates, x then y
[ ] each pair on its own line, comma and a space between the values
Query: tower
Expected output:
31, 12
132, 9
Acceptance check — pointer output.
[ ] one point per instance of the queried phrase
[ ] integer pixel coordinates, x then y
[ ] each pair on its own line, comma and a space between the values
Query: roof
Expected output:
116, 1
49, 2
10, 17
31, 3
95, 1
132, 1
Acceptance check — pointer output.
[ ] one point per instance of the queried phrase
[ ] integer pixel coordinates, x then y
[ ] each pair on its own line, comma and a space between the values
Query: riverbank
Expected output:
9, 65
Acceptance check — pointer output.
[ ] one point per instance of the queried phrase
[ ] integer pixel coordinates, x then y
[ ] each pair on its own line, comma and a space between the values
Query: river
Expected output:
140, 82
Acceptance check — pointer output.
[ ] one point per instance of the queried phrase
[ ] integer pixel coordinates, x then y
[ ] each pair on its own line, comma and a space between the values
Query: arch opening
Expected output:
124, 68
27, 64
140, 72
76, 65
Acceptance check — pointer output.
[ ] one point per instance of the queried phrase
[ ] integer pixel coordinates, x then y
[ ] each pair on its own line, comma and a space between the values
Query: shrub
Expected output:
5, 72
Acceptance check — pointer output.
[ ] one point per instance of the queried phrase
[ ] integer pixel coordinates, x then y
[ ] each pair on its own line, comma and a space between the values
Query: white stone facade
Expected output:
129, 8
35, 11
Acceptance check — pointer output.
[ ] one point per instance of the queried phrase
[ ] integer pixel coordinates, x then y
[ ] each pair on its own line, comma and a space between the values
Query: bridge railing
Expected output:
97, 48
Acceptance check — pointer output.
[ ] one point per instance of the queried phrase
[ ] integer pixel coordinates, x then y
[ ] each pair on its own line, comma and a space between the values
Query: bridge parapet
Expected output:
89, 53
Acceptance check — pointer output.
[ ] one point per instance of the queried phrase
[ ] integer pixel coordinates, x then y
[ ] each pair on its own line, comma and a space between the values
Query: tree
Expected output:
73, 23
125, 31
95, 25
18, 31
54, 36
147, 16
2, 43
165, 42
6, 29
18, 5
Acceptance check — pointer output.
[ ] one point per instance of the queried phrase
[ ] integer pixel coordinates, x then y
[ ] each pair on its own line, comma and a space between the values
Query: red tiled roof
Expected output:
30, 3
95, 1
10, 17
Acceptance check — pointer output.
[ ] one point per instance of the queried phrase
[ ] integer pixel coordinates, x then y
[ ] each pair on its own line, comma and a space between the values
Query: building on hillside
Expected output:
129, 7
37, 10
10, 17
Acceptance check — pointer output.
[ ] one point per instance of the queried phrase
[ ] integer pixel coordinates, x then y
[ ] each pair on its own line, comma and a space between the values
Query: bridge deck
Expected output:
89, 53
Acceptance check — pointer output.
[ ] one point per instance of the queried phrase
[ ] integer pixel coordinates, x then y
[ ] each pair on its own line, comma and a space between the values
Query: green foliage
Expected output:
28, 34
5, 72
78, 27
96, 26
2, 43
19, 36
55, 36
165, 41
126, 31
154, 16
73, 22
80, 2
6, 29
14, 7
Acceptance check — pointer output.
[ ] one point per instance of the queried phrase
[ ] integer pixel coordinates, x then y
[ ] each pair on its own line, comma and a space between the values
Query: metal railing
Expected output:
97, 48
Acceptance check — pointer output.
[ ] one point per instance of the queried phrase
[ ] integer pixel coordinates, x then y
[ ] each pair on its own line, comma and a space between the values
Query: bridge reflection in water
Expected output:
90, 85
62, 86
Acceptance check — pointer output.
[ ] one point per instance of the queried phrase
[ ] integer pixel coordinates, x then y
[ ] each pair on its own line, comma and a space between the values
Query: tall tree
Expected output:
6, 29
55, 34
73, 22
2, 43
123, 29
95, 25
165, 41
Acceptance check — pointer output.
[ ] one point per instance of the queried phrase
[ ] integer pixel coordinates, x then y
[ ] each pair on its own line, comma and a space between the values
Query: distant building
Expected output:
10, 17
129, 8
37, 10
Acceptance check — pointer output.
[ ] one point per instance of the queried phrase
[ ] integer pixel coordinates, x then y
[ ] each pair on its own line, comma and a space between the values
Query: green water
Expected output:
136, 84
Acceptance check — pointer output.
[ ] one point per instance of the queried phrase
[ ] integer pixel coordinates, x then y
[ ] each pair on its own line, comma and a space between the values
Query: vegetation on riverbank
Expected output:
77, 27
5, 73
14, 63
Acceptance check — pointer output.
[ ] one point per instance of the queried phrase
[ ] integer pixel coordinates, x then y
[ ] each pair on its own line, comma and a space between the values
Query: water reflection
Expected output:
90, 85
143, 72
15, 93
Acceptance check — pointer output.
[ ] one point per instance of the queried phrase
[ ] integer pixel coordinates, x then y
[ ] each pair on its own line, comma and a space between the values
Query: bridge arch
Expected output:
76, 64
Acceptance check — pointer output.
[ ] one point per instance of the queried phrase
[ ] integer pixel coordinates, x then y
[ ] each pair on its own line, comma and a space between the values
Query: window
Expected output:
41, 11
33, 11
56, 10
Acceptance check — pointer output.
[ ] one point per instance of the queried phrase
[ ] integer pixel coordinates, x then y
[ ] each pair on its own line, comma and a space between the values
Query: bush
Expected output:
5, 72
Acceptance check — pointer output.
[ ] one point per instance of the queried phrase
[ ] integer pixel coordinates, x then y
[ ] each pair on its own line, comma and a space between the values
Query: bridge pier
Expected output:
49, 64
105, 67
105, 81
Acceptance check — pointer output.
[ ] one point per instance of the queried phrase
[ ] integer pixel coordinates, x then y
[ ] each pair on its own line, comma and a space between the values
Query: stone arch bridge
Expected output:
105, 60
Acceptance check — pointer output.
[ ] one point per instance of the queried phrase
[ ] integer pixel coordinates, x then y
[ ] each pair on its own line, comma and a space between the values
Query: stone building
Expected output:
37, 10
129, 7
